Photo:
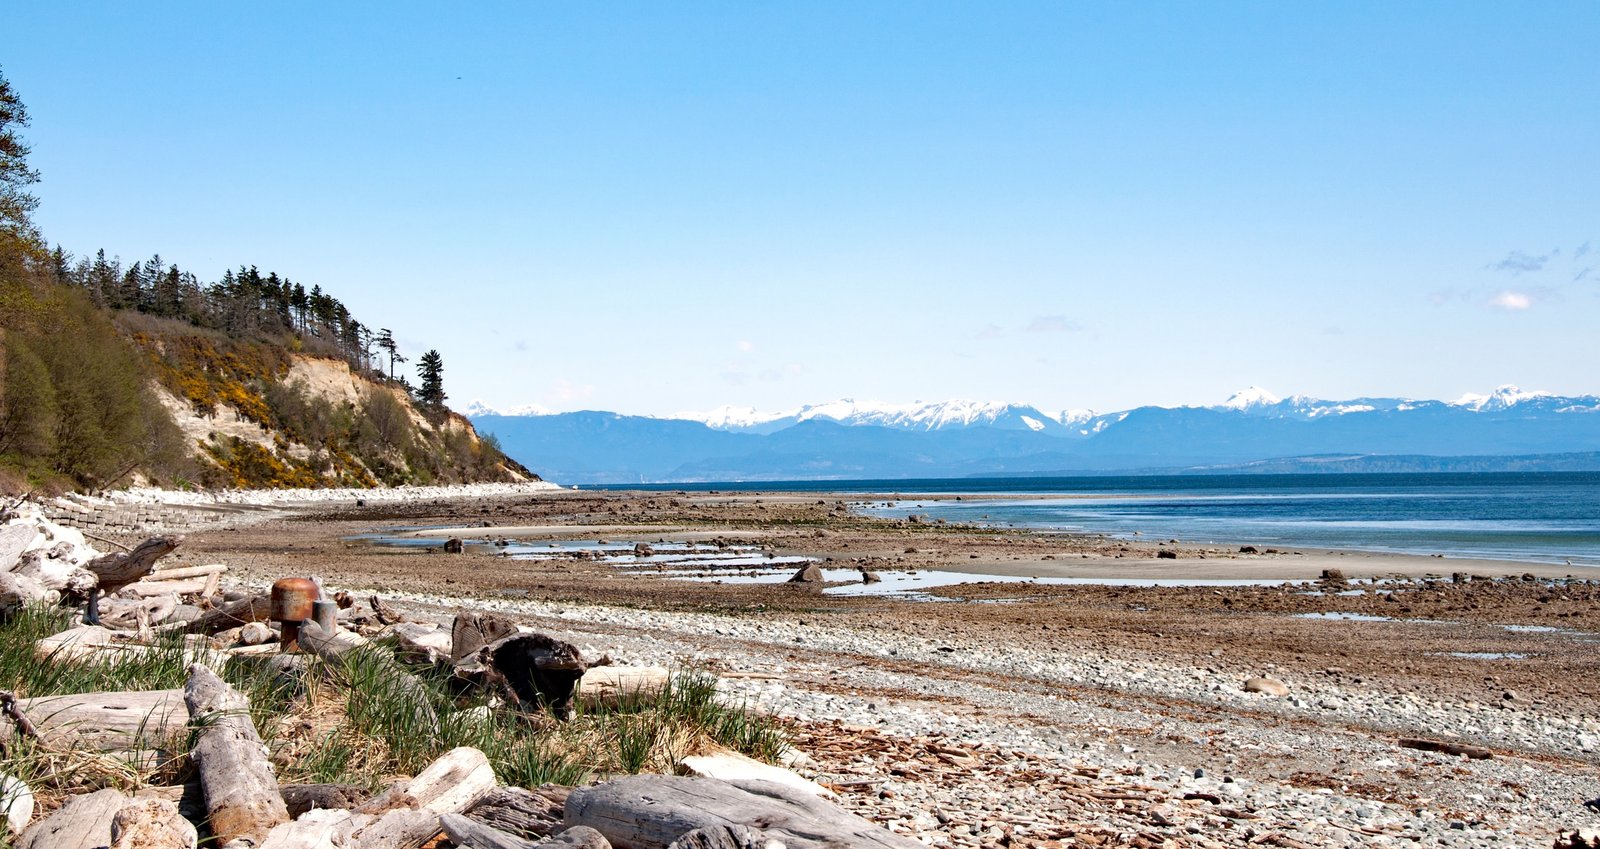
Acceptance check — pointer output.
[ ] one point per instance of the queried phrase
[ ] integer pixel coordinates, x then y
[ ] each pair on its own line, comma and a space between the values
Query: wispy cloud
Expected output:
1518, 262
1581, 252
1053, 324
992, 331
1440, 297
1511, 301
1582, 273
745, 346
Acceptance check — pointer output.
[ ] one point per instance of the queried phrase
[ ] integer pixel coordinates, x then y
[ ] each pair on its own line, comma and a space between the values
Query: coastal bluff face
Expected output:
258, 416
1508, 430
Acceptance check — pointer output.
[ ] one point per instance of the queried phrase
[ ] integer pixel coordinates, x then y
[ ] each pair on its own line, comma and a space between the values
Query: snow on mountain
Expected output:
956, 413
1501, 398
479, 407
1253, 396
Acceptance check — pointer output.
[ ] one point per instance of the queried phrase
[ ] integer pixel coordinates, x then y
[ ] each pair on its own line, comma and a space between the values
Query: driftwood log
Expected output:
117, 570
1477, 753
256, 608
299, 798
654, 811
454, 782
84, 822
611, 685
108, 722
521, 813
242, 795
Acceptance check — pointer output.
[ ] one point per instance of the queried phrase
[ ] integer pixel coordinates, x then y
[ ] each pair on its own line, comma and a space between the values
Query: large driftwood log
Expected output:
653, 811
242, 796
335, 648
152, 824
610, 685
108, 722
84, 822
117, 570
256, 608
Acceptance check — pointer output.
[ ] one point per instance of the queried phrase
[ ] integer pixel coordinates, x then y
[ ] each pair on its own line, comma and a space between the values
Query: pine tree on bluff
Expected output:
18, 235
430, 373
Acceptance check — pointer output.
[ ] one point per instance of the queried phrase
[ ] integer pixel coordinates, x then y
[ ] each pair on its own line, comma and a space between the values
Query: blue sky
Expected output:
661, 207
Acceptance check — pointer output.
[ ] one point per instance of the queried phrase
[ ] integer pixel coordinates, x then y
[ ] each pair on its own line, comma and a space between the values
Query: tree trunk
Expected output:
242, 796
653, 811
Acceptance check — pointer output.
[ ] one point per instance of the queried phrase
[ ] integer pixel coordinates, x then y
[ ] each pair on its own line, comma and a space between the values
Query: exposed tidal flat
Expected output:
1000, 708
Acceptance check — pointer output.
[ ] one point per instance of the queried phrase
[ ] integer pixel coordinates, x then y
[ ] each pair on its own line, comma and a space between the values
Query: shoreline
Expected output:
1140, 682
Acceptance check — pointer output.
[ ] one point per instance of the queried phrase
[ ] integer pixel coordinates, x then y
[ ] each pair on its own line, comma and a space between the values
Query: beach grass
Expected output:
359, 724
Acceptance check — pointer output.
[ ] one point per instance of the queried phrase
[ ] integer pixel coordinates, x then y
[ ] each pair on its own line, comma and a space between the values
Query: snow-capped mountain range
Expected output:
964, 413
1506, 429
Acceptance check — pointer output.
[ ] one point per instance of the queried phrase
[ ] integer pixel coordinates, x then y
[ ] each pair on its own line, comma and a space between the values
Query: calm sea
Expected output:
1535, 517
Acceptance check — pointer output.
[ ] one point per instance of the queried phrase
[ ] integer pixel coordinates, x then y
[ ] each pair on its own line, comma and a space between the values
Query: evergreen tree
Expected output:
430, 374
18, 235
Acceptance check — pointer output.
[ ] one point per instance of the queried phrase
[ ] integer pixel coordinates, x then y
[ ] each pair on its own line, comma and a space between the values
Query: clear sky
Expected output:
657, 207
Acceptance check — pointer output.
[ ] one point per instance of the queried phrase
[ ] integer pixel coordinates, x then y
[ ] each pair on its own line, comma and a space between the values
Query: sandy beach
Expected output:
1141, 686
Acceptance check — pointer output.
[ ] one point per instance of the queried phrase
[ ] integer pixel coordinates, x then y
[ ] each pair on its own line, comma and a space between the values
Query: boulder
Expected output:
810, 573
1266, 686
453, 545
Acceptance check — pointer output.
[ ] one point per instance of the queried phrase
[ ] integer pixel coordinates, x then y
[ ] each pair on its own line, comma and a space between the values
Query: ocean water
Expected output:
1532, 517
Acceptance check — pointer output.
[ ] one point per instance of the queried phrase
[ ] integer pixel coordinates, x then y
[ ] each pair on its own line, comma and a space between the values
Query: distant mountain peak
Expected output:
1501, 398
1253, 396
479, 407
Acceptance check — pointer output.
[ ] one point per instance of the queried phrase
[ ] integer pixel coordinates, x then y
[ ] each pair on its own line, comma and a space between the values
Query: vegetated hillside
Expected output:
113, 374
